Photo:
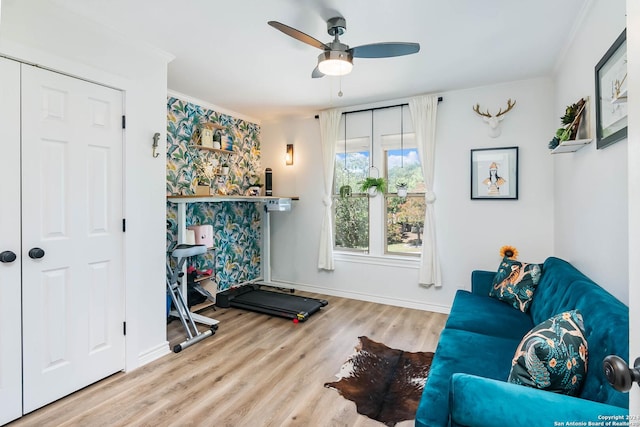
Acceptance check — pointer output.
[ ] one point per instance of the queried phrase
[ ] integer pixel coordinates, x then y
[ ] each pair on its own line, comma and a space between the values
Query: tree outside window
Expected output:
404, 215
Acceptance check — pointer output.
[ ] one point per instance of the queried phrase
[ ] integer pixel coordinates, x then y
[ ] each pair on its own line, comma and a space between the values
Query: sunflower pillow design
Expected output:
515, 282
553, 355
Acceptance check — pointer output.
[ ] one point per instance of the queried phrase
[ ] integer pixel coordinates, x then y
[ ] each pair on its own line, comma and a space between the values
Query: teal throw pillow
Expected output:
515, 282
553, 355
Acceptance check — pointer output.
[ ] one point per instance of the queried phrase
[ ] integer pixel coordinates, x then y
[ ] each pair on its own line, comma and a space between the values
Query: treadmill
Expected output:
252, 297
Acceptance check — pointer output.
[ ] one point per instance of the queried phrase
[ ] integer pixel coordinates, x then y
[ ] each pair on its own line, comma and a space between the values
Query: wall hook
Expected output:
156, 137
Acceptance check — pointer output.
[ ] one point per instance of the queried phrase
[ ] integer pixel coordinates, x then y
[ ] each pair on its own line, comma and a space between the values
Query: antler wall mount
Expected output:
494, 121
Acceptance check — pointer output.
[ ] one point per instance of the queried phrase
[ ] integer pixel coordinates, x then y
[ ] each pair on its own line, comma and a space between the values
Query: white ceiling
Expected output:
227, 55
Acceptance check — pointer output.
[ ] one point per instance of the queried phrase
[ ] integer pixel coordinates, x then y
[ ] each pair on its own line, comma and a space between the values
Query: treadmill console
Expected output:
278, 205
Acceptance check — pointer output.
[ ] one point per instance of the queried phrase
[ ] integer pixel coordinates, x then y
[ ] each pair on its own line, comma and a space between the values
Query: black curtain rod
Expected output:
377, 108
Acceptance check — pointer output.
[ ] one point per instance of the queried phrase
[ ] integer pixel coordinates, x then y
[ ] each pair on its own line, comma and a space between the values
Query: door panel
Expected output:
72, 208
10, 328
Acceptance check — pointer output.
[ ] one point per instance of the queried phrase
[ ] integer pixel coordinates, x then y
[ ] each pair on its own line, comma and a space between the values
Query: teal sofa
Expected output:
467, 384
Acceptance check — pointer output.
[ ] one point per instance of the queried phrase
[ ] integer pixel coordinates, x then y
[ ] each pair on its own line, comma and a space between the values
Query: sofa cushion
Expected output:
477, 313
553, 355
515, 283
461, 351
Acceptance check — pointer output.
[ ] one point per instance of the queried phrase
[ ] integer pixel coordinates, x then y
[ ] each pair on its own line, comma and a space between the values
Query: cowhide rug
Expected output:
386, 384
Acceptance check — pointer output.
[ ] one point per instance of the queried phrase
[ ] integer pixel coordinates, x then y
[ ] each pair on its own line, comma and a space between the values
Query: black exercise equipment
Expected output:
251, 297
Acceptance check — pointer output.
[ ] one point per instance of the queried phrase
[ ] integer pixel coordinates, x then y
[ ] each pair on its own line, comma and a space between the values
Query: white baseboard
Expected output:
398, 302
153, 353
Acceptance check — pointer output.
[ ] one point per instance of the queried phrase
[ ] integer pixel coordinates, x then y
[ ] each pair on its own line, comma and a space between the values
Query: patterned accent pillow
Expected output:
553, 355
515, 282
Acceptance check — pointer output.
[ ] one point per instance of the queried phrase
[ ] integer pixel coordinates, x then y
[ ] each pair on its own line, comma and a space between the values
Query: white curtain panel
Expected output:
329, 129
423, 114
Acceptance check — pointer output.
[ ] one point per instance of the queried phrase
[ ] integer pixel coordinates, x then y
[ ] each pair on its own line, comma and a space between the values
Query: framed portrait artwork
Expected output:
611, 94
494, 173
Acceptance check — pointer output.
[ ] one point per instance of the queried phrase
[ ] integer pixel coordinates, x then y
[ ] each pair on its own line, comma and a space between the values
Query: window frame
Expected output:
376, 148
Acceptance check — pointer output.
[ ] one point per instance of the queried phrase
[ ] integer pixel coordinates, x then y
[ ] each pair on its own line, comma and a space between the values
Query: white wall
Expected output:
49, 37
591, 216
469, 233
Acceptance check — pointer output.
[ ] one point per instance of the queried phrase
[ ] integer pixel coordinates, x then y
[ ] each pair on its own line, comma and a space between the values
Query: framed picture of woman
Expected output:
494, 173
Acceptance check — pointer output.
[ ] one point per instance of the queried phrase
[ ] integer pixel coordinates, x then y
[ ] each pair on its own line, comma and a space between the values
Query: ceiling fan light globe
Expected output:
332, 63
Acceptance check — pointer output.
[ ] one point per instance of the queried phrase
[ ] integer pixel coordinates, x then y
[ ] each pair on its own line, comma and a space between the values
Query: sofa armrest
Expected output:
481, 281
482, 402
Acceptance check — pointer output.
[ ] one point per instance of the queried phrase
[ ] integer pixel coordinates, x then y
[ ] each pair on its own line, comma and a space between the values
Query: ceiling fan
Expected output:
336, 58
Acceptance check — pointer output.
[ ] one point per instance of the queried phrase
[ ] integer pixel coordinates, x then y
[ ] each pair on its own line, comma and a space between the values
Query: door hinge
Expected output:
124, 122
124, 225
124, 328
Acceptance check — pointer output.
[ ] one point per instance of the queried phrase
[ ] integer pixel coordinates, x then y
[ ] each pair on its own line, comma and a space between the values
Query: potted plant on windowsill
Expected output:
373, 186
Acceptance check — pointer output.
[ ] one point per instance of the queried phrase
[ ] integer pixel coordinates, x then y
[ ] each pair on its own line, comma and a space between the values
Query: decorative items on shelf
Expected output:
217, 138
255, 183
226, 142
571, 123
204, 174
494, 121
207, 132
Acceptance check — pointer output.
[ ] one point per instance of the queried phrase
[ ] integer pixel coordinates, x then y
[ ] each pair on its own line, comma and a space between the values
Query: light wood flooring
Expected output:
256, 370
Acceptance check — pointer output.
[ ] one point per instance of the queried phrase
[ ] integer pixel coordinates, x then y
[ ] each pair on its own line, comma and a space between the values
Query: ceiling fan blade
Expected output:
384, 50
316, 73
298, 35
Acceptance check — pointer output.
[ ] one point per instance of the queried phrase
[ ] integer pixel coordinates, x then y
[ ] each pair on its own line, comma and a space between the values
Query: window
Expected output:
351, 207
385, 224
404, 215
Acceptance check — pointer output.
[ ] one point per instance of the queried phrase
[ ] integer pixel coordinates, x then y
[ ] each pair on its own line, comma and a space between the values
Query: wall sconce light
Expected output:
289, 156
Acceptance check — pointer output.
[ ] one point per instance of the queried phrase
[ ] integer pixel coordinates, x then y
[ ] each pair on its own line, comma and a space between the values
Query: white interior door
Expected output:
73, 289
10, 327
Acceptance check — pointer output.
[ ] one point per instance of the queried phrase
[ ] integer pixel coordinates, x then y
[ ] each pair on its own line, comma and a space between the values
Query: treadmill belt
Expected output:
277, 304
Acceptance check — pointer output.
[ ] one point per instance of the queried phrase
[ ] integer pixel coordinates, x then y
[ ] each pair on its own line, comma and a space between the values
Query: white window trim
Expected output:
389, 260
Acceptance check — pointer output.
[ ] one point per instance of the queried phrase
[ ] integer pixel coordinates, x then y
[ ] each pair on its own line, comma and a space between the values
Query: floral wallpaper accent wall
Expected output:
236, 225
183, 122
235, 257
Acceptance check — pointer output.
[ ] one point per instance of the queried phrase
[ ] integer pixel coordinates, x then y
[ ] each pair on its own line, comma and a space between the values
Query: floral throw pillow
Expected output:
515, 282
553, 355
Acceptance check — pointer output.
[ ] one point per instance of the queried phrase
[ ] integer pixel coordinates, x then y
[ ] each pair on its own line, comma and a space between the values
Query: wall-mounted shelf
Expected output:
571, 146
216, 150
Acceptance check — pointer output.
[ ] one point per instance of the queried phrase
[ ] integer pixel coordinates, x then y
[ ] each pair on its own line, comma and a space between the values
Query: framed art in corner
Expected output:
494, 173
611, 94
